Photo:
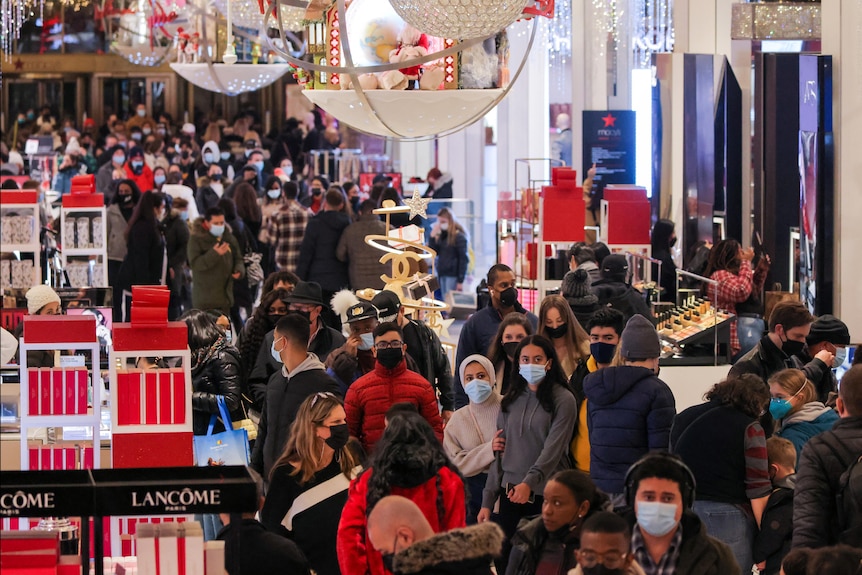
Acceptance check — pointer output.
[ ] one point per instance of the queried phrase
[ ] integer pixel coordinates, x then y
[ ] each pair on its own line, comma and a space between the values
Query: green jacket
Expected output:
212, 284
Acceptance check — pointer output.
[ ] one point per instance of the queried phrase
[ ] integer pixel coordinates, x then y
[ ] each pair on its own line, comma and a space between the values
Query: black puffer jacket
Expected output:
621, 296
317, 254
820, 467
530, 541
432, 363
219, 374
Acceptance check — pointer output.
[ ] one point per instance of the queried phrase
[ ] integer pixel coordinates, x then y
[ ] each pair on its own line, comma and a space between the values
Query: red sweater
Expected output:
356, 556
374, 393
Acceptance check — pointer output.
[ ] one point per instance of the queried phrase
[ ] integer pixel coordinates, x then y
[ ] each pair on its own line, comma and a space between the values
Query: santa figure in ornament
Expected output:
412, 44
182, 43
193, 48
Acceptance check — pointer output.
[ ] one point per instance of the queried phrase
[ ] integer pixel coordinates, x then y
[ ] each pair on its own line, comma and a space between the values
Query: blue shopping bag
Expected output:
229, 447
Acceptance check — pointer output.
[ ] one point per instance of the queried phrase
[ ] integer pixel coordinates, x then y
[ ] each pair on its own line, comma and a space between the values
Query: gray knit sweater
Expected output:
537, 443
468, 435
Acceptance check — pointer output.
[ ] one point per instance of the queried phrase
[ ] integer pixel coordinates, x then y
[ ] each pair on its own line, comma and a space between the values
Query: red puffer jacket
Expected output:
374, 393
356, 556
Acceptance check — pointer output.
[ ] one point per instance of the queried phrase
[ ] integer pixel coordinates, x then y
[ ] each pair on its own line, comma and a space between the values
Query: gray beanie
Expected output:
576, 286
639, 340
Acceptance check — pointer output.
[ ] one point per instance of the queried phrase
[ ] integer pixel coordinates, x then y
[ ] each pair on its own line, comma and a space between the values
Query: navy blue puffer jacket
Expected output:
629, 413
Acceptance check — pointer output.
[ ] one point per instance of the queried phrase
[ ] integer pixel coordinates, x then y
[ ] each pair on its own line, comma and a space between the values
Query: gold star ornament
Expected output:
417, 204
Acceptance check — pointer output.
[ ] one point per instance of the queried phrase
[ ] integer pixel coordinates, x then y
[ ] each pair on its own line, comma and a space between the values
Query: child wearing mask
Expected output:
776, 527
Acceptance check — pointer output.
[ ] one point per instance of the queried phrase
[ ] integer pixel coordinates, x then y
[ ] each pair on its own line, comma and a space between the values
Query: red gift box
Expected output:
166, 397
33, 391
564, 176
82, 384
57, 391
60, 328
45, 391
174, 449
178, 378
151, 397
85, 184
142, 338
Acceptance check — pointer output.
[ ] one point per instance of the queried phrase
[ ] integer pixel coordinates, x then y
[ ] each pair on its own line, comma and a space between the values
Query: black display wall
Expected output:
728, 152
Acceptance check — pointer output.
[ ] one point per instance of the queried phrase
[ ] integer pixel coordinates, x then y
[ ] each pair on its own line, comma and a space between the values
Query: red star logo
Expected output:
609, 120
19, 64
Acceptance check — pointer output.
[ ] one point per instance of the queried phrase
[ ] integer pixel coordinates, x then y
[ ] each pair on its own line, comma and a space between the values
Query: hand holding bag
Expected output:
227, 448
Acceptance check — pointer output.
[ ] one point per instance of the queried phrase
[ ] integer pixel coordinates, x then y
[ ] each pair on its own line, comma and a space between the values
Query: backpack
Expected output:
848, 498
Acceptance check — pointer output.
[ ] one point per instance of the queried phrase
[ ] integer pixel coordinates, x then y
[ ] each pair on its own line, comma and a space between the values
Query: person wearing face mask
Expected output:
301, 375
795, 407
831, 334
537, 416
724, 445
272, 203
138, 170
211, 155
116, 221
306, 300
111, 172
449, 240
308, 484
140, 118
663, 239
408, 461
667, 537
176, 231
512, 330
470, 433
478, 332
404, 536
629, 409
363, 261
548, 543
216, 262
355, 357
576, 289
160, 177
605, 328
255, 340
370, 396
145, 256
784, 347
614, 289
41, 300
314, 200
606, 547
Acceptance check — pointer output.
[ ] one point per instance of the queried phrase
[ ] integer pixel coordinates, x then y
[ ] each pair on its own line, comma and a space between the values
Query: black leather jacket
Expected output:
219, 375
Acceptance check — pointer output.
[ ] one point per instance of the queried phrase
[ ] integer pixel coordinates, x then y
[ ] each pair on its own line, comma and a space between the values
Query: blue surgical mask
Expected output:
602, 352
159, 179
142, 113
276, 355
367, 341
779, 408
208, 158
248, 153
258, 166
119, 159
225, 155
217, 231
533, 373
137, 165
184, 215
274, 194
478, 390
288, 171
656, 518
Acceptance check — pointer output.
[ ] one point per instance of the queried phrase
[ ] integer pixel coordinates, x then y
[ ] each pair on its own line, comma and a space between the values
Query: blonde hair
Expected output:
304, 449
780, 451
454, 229
794, 382
577, 340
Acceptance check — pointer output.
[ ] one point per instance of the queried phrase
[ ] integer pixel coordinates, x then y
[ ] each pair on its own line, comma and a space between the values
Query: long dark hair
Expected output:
554, 376
496, 353
146, 210
245, 198
256, 328
408, 448
723, 256
203, 330
136, 191
661, 233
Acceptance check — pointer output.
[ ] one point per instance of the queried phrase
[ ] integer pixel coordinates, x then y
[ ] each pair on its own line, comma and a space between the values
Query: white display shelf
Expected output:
73, 214
32, 247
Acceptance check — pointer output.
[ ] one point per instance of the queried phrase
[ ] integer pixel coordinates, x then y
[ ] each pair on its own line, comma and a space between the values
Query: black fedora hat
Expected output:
306, 292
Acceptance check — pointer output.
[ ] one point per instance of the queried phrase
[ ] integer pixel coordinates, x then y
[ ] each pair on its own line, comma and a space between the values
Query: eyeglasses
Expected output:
611, 559
321, 395
389, 344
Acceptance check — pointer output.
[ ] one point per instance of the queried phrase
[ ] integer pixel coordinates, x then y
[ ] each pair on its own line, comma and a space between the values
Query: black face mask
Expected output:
216, 177
305, 314
557, 332
338, 437
390, 358
273, 318
508, 297
791, 347
127, 198
599, 569
185, 154
388, 559
672, 242
509, 347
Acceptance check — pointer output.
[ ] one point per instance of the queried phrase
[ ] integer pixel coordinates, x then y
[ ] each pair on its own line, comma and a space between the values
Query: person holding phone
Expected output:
537, 417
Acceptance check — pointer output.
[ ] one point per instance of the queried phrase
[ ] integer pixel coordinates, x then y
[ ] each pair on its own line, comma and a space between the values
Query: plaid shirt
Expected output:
731, 290
667, 564
286, 229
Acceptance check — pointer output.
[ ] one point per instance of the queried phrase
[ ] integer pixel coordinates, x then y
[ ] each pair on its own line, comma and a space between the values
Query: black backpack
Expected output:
848, 498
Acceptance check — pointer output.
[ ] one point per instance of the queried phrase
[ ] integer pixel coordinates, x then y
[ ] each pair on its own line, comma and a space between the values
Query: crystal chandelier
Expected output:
460, 19
776, 21
246, 14
13, 14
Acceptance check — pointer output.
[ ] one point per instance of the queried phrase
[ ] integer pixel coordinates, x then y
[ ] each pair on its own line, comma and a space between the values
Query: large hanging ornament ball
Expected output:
460, 19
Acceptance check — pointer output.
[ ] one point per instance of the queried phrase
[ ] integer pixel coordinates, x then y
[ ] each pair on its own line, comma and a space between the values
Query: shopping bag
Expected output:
251, 419
227, 448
